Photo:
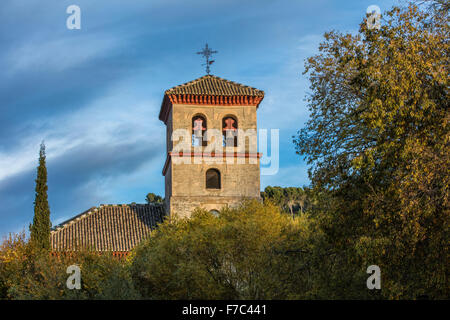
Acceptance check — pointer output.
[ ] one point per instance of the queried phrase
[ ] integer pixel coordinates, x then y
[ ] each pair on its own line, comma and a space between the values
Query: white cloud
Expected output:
58, 54
113, 119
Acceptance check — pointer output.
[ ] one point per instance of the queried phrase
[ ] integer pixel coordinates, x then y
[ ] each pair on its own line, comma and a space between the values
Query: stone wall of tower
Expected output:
186, 182
239, 182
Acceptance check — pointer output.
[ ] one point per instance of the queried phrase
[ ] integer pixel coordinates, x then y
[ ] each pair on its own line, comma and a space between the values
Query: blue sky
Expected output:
94, 94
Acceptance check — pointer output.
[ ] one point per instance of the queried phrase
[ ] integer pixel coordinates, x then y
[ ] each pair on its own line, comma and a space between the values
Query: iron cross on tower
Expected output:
207, 52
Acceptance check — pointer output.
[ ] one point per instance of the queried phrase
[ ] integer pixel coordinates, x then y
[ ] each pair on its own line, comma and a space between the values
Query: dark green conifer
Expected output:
40, 229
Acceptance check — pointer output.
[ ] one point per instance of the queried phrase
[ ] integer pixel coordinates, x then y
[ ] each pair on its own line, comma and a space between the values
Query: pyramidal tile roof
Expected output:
215, 86
107, 228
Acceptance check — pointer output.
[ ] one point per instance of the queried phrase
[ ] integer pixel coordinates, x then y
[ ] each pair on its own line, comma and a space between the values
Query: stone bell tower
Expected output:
212, 159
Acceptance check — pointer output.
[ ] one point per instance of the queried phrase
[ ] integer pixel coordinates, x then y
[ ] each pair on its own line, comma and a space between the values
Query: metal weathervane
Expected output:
207, 52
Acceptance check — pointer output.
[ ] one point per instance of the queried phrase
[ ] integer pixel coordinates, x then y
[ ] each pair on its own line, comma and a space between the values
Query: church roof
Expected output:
107, 228
215, 86
210, 90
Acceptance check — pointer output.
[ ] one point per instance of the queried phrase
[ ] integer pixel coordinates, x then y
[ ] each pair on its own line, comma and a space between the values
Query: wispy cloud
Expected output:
57, 55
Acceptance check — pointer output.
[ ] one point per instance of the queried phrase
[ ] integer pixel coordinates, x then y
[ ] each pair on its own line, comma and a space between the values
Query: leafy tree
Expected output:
275, 194
153, 198
251, 252
40, 229
290, 199
378, 144
27, 272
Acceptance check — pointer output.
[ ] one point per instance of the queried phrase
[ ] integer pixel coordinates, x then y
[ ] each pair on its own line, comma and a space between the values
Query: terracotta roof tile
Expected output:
215, 86
107, 228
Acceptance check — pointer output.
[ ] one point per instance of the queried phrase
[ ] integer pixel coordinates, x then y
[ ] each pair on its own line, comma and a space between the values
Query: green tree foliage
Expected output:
252, 252
291, 200
27, 272
40, 229
153, 198
378, 144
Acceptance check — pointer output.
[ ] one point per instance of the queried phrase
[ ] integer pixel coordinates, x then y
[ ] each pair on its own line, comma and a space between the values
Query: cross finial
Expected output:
207, 52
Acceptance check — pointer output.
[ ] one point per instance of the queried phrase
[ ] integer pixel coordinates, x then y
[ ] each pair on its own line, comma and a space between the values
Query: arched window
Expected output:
213, 179
229, 131
214, 212
198, 131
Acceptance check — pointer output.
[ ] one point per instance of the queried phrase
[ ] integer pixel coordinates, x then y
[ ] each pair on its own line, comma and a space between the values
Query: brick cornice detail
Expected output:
215, 100
71, 253
192, 99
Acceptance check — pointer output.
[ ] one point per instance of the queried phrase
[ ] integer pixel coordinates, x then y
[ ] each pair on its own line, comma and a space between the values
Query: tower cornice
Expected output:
191, 99
210, 90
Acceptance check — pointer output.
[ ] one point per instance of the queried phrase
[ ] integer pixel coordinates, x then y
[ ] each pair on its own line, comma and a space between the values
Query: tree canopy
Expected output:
377, 141
153, 198
250, 252
291, 199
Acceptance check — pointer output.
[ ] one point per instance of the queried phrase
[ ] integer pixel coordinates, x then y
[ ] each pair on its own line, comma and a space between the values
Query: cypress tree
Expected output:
40, 229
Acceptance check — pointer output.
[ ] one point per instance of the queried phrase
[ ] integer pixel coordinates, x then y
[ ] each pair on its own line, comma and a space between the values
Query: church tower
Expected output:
212, 159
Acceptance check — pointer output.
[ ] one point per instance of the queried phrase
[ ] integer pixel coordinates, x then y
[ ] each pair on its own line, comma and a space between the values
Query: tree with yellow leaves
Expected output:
378, 144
